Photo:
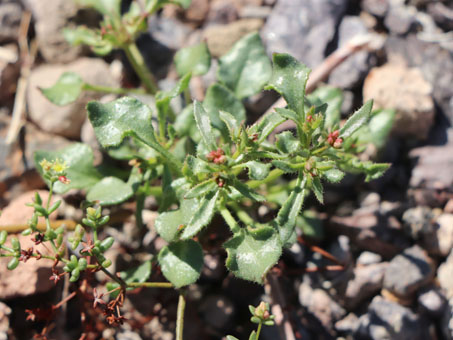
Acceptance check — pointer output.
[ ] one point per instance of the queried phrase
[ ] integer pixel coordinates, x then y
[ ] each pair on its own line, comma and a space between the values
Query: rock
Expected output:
435, 63
217, 311
445, 276
405, 90
321, 305
442, 15
417, 268
17, 213
367, 257
432, 169
348, 324
213, 268
367, 281
354, 69
440, 241
168, 32
400, 18
10, 16
9, 71
303, 28
260, 12
5, 312
197, 11
51, 17
221, 38
65, 120
28, 278
447, 321
418, 221
432, 302
127, 335
222, 12
378, 8
387, 320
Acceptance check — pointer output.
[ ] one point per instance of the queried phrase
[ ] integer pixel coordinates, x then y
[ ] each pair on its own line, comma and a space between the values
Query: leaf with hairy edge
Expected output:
202, 216
331, 96
86, 36
252, 252
287, 167
204, 125
195, 59
137, 274
257, 170
247, 192
287, 215
66, 90
266, 125
163, 98
334, 175
220, 98
245, 69
181, 262
289, 78
287, 143
81, 172
288, 114
201, 189
231, 123
110, 191
357, 120
318, 189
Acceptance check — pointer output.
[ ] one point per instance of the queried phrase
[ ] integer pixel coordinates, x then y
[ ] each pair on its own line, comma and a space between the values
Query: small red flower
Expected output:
216, 156
64, 180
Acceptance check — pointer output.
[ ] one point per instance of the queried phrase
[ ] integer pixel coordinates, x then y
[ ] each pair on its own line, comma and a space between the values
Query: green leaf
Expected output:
201, 189
204, 125
377, 129
357, 120
331, 96
287, 215
318, 189
252, 336
110, 191
257, 170
287, 143
202, 216
195, 59
168, 223
252, 253
220, 98
231, 123
334, 175
289, 78
81, 172
86, 36
197, 165
370, 169
66, 90
245, 69
245, 191
163, 98
288, 114
106, 7
284, 165
181, 262
266, 125
138, 274
230, 337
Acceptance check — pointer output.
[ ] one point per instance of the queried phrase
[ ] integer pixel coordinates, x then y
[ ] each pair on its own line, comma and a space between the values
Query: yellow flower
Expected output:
59, 165
45, 165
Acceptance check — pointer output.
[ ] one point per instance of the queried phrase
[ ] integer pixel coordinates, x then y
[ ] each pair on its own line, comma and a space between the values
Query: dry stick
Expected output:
356, 44
320, 73
27, 57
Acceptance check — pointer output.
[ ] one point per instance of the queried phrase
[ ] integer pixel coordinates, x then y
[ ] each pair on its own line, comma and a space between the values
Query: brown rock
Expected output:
222, 37
405, 90
28, 278
9, 71
65, 120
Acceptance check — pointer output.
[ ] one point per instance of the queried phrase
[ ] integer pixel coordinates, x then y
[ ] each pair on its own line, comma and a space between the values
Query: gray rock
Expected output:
218, 311
442, 15
354, 69
5, 312
321, 305
128, 335
387, 320
418, 221
378, 8
303, 28
367, 257
9, 72
404, 89
400, 18
213, 268
65, 120
50, 18
222, 12
435, 63
348, 324
10, 16
432, 302
445, 276
367, 281
447, 321
408, 272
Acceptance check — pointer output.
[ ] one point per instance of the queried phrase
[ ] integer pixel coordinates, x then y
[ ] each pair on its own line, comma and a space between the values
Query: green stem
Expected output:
273, 175
243, 216
138, 63
114, 277
187, 96
150, 284
180, 316
50, 196
229, 219
258, 331
108, 89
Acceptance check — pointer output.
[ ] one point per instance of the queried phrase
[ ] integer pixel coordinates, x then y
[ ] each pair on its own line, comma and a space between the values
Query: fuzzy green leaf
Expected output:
334, 175
245, 69
195, 59
266, 125
331, 96
204, 125
230, 337
378, 128
79, 157
287, 215
82, 35
181, 262
284, 166
257, 170
231, 123
288, 114
66, 90
201, 189
110, 191
318, 189
287, 143
251, 253
245, 191
289, 78
357, 120
220, 98
163, 98
202, 216
197, 165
